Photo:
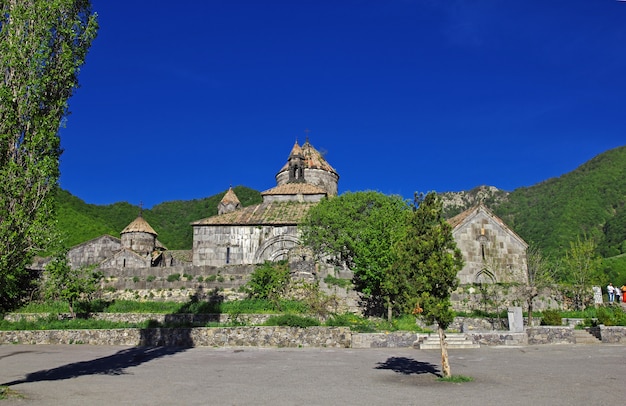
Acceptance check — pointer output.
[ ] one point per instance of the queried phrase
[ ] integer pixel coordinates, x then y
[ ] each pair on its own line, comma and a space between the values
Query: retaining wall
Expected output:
262, 336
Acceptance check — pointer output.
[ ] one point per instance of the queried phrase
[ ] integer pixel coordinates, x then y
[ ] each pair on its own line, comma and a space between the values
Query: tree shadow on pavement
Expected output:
409, 366
115, 364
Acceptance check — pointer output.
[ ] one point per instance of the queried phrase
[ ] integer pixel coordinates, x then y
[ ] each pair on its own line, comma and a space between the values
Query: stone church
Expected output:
269, 232
492, 252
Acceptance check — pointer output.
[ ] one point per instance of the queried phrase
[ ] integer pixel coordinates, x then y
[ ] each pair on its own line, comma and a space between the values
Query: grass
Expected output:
53, 323
258, 306
455, 379
8, 393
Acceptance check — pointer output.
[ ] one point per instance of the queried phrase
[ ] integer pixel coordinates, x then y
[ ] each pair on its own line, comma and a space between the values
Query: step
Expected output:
585, 337
454, 341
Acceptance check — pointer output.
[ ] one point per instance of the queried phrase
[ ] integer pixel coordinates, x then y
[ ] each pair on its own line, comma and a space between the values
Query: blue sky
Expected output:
180, 100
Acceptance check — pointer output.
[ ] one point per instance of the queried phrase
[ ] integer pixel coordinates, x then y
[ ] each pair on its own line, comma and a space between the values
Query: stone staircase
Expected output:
454, 340
585, 337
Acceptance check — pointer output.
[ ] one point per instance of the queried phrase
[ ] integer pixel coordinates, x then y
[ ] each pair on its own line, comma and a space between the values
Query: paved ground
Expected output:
100, 375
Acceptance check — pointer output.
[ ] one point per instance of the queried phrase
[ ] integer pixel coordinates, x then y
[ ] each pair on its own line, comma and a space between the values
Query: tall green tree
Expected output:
43, 43
62, 282
540, 275
358, 231
426, 268
582, 268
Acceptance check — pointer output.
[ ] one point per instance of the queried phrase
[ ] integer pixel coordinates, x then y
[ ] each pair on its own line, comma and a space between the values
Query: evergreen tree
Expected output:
43, 43
425, 273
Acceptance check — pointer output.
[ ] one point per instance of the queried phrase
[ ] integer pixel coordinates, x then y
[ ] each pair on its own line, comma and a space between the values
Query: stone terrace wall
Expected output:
336, 337
613, 335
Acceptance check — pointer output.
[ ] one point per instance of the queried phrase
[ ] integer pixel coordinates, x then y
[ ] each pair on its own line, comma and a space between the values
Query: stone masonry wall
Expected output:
335, 337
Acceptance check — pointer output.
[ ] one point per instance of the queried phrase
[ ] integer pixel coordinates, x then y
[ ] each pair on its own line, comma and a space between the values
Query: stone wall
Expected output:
266, 336
550, 335
245, 244
495, 298
262, 336
613, 334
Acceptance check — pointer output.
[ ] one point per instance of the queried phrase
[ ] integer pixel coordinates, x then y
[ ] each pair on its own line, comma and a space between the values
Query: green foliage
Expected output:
425, 273
247, 306
340, 282
42, 46
291, 320
54, 323
587, 201
611, 316
614, 269
173, 277
62, 282
551, 318
455, 379
8, 393
581, 269
268, 281
82, 222
358, 230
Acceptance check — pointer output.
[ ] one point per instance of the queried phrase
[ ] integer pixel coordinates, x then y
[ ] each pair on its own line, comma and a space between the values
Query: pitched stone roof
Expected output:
313, 159
294, 189
461, 218
230, 197
139, 225
267, 213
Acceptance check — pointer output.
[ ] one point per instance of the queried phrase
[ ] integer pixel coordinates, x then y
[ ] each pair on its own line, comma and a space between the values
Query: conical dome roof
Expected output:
230, 197
312, 158
139, 225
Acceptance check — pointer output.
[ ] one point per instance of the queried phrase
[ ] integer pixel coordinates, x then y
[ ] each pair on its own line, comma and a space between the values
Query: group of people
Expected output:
615, 294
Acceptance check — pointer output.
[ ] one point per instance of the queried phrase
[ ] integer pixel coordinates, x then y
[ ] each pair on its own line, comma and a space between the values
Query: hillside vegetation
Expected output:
589, 201
80, 221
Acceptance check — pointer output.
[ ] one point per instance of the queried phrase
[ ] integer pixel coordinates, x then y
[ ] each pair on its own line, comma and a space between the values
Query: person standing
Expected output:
618, 294
610, 290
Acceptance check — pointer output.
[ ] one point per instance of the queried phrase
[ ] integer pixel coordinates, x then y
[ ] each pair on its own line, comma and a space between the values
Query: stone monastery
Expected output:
268, 232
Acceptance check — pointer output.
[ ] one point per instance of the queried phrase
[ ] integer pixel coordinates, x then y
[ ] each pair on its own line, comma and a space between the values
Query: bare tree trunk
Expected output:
530, 312
389, 310
445, 364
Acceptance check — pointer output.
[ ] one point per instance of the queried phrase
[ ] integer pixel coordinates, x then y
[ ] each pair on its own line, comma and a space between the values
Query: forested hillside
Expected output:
590, 200
80, 222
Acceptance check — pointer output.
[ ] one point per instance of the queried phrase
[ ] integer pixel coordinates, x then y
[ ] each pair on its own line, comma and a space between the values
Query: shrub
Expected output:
291, 320
173, 277
199, 278
611, 316
551, 318
268, 281
340, 282
150, 278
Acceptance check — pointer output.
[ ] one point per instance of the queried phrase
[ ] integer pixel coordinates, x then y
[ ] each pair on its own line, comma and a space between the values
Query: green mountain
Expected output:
590, 200
80, 221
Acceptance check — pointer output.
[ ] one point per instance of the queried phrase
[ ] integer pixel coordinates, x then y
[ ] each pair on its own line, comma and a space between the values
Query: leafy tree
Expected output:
582, 268
269, 281
540, 275
428, 261
62, 282
358, 231
42, 46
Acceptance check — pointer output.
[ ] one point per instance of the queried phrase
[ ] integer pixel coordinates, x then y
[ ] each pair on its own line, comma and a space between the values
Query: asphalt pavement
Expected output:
116, 375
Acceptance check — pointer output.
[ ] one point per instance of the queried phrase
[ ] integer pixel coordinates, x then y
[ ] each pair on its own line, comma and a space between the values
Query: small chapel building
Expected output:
492, 252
